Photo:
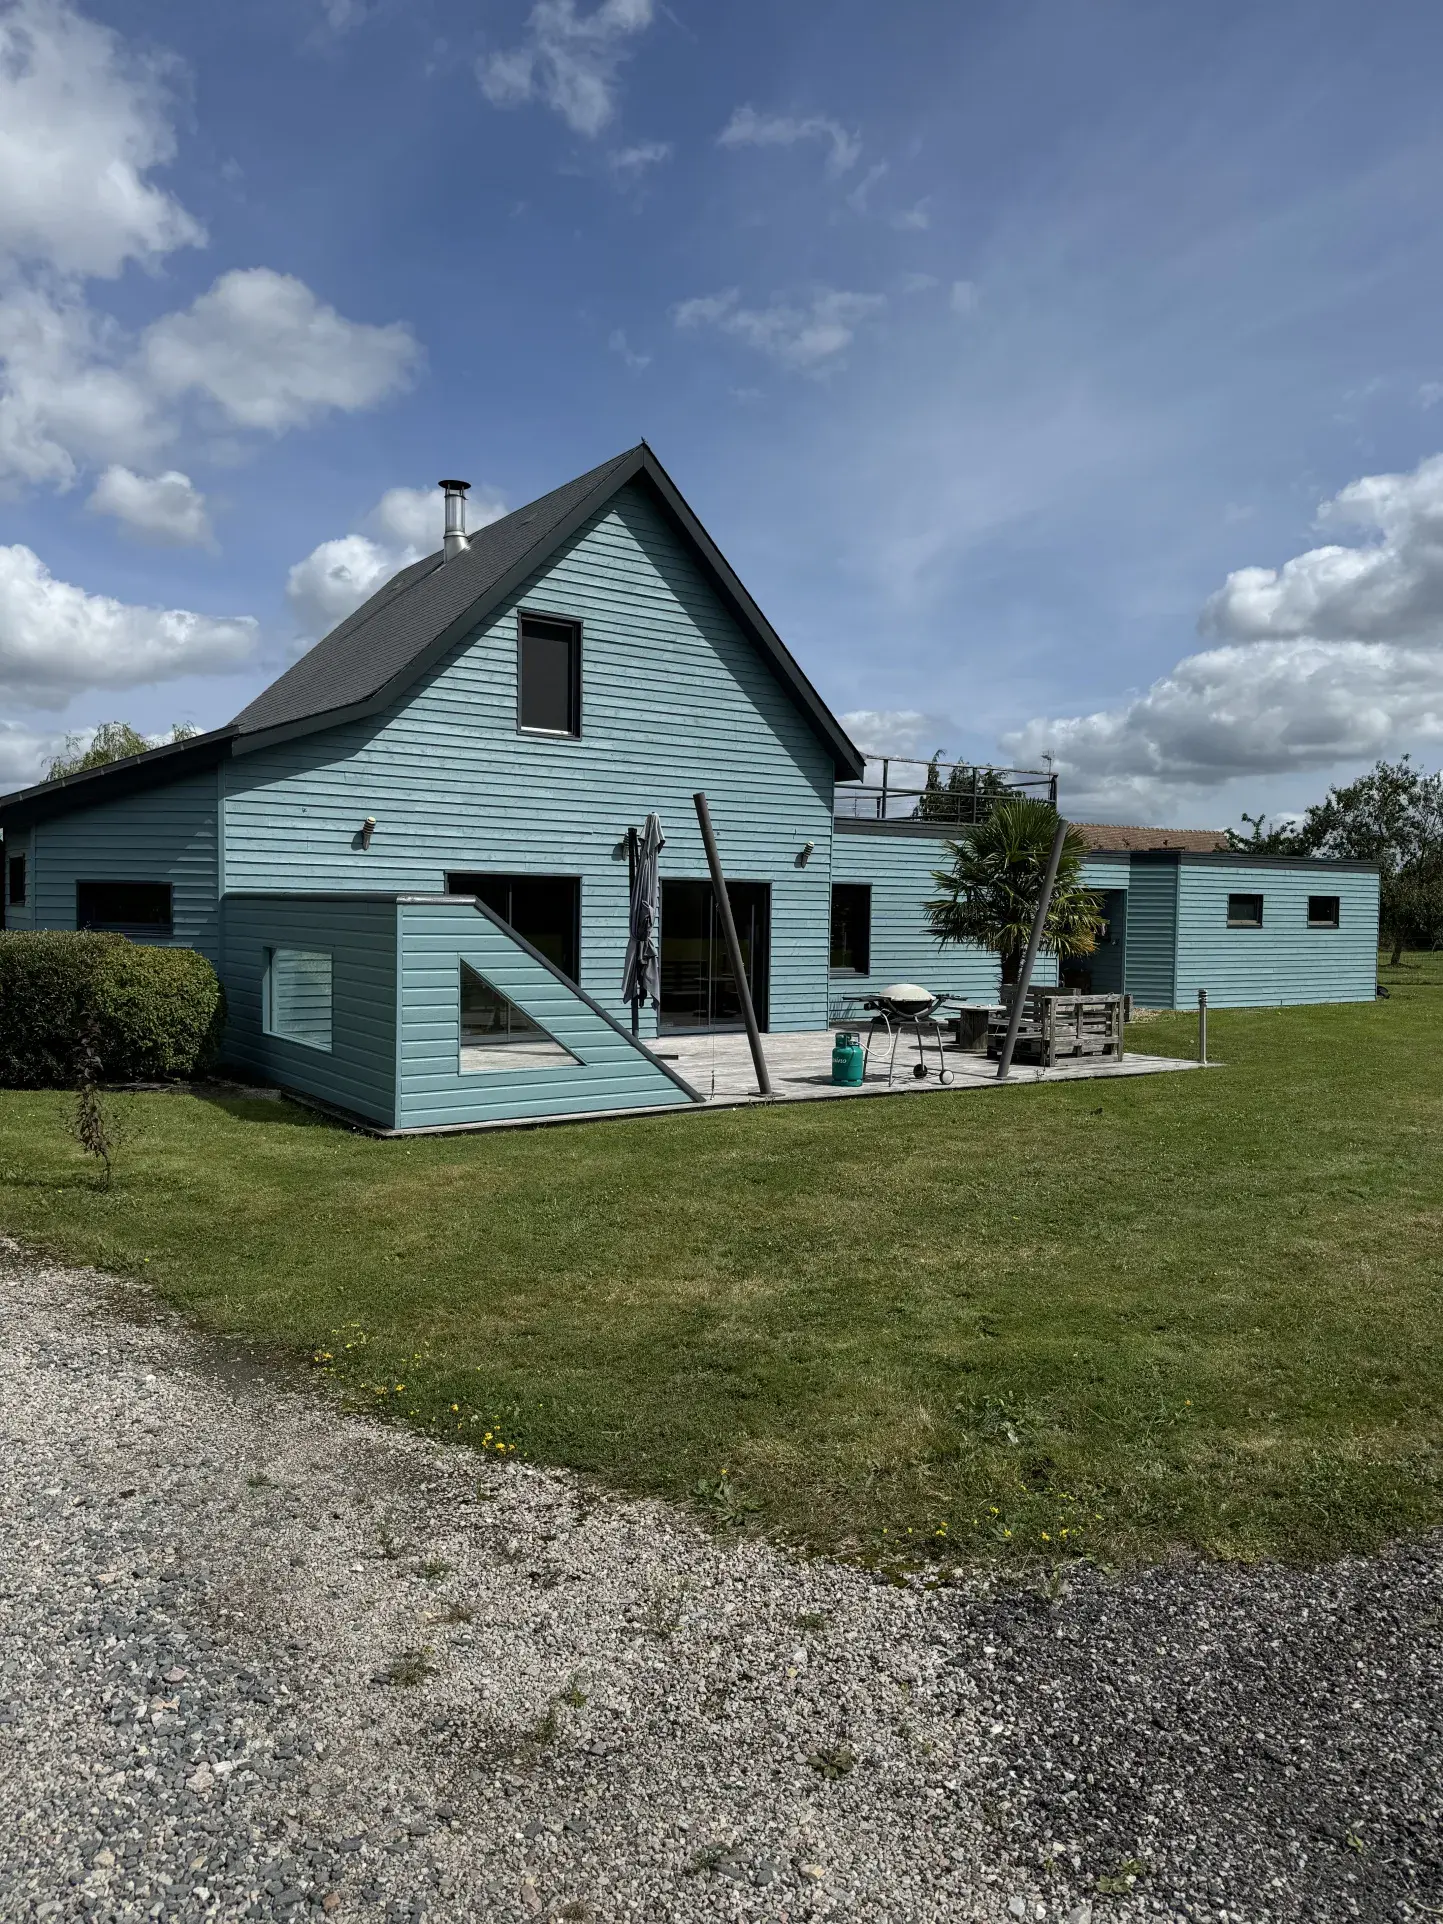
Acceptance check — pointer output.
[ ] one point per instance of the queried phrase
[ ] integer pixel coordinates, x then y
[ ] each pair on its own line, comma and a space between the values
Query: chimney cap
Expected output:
454, 487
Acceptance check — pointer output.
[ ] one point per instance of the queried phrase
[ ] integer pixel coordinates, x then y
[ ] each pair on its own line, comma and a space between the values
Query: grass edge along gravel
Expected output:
1105, 1319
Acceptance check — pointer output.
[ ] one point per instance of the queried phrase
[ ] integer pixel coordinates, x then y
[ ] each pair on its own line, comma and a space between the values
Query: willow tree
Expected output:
988, 897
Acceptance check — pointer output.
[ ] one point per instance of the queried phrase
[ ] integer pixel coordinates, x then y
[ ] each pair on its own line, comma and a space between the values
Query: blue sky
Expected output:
1062, 378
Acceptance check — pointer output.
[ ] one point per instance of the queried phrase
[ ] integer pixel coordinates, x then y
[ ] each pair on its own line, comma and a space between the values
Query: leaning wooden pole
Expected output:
734, 947
1039, 923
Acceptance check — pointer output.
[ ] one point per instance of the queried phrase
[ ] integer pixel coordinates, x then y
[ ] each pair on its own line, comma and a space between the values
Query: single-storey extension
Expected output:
408, 857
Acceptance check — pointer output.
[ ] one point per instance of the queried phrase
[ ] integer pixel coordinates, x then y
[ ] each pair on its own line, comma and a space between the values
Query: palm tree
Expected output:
990, 894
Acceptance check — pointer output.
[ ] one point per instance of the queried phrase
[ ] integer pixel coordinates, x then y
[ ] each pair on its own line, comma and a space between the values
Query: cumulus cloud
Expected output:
619, 344
25, 755
913, 219
1336, 656
82, 122
896, 731
163, 508
748, 128
338, 575
808, 339
56, 638
568, 60
271, 356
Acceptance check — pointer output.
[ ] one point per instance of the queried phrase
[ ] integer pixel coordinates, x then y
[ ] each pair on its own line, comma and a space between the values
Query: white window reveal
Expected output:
495, 1034
298, 997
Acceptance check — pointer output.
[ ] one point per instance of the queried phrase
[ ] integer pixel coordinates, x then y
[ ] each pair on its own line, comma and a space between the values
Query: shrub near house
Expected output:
152, 1013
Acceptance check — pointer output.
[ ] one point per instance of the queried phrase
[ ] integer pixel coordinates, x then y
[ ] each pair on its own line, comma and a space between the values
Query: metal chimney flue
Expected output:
455, 540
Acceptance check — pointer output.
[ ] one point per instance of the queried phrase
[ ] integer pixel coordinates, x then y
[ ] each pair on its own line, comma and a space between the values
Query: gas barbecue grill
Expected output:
903, 1006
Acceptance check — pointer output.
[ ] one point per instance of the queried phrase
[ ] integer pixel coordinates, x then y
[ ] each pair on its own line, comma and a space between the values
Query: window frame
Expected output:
523, 727
17, 866
841, 968
1250, 895
115, 924
1334, 921
272, 950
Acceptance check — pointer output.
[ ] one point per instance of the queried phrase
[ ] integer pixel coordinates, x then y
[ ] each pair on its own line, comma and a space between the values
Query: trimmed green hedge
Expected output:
155, 1013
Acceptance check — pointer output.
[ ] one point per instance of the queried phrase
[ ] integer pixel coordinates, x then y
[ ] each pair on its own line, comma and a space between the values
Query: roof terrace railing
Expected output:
952, 794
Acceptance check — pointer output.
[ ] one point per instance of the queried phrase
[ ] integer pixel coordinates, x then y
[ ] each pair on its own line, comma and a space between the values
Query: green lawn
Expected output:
1105, 1317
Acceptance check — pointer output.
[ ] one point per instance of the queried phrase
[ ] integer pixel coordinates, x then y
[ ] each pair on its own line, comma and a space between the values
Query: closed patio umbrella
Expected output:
641, 981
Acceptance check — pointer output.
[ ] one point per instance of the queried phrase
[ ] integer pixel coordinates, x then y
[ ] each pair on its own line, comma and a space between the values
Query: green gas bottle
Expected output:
847, 1059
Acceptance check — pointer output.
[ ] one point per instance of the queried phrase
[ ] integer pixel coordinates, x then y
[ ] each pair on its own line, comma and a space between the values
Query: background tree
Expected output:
989, 895
967, 795
111, 742
1392, 816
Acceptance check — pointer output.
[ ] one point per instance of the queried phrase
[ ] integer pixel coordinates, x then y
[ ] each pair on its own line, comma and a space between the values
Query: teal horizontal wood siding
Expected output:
610, 1072
898, 865
164, 834
1284, 961
675, 698
358, 1072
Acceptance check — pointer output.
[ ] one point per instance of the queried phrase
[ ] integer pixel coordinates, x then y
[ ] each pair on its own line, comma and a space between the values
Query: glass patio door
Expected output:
698, 989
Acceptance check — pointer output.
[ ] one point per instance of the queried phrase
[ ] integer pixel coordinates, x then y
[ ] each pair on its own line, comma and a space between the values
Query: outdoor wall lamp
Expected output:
806, 854
368, 829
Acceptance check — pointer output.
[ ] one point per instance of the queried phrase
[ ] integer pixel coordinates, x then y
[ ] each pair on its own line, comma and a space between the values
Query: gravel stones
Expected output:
205, 1573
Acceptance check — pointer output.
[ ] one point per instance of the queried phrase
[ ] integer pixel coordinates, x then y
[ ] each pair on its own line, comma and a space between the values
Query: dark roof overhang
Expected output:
171, 762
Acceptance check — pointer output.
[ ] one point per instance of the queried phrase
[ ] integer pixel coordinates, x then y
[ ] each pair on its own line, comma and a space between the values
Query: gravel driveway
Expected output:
260, 1660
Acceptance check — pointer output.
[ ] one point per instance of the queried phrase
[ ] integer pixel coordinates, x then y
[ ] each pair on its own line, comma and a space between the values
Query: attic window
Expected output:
1323, 912
549, 675
1245, 911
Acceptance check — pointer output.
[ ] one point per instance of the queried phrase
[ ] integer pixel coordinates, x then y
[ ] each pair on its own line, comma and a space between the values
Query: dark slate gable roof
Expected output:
386, 634
408, 625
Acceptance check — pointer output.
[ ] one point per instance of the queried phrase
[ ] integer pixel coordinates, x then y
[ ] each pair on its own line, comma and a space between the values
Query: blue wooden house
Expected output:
407, 858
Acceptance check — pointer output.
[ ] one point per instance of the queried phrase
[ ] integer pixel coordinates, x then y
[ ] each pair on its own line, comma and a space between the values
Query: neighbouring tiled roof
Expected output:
1102, 836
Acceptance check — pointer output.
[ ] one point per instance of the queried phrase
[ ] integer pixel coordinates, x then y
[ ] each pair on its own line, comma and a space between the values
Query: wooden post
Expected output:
632, 840
734, 947
1039, 923
1202, 1027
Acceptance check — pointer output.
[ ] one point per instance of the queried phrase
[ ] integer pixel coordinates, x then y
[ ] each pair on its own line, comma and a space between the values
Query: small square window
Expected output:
1324, 912
141, 909
16, 871
1245, 911
852, 926
549, 673
298, 997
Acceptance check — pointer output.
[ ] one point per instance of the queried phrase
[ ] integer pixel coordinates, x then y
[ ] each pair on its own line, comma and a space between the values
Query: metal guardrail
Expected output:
953, 794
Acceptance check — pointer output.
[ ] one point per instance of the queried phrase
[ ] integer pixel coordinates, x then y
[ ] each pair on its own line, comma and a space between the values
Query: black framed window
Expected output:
15, 869
1324, 911
852, 926
130, 908
1245, 911
549, 675
546, 909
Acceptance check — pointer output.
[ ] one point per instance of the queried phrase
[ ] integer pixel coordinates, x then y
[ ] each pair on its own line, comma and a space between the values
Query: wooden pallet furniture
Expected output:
1060, 1024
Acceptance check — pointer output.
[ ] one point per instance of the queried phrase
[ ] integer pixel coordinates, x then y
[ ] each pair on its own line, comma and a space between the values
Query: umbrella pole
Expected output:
631, 856
734, 948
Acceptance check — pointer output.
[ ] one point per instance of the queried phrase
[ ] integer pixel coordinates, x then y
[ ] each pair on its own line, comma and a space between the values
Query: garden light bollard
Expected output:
1202, 1027
1039, 923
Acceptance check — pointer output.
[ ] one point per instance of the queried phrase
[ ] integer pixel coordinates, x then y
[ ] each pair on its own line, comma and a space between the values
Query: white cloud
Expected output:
896, 731
860, 195
406, 523
964, 297
24, 755
808, 339
568, 60
1336, 656
56, 638
630, 163
918, 283
911, 220
748, 128
164, 508
619, 344
271, 356
82, 121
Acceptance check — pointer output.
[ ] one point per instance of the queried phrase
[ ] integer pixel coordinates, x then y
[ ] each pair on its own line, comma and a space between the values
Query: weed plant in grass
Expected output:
1107, 1317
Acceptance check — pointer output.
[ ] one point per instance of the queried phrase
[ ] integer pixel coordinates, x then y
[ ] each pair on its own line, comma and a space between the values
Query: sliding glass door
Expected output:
698, 989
